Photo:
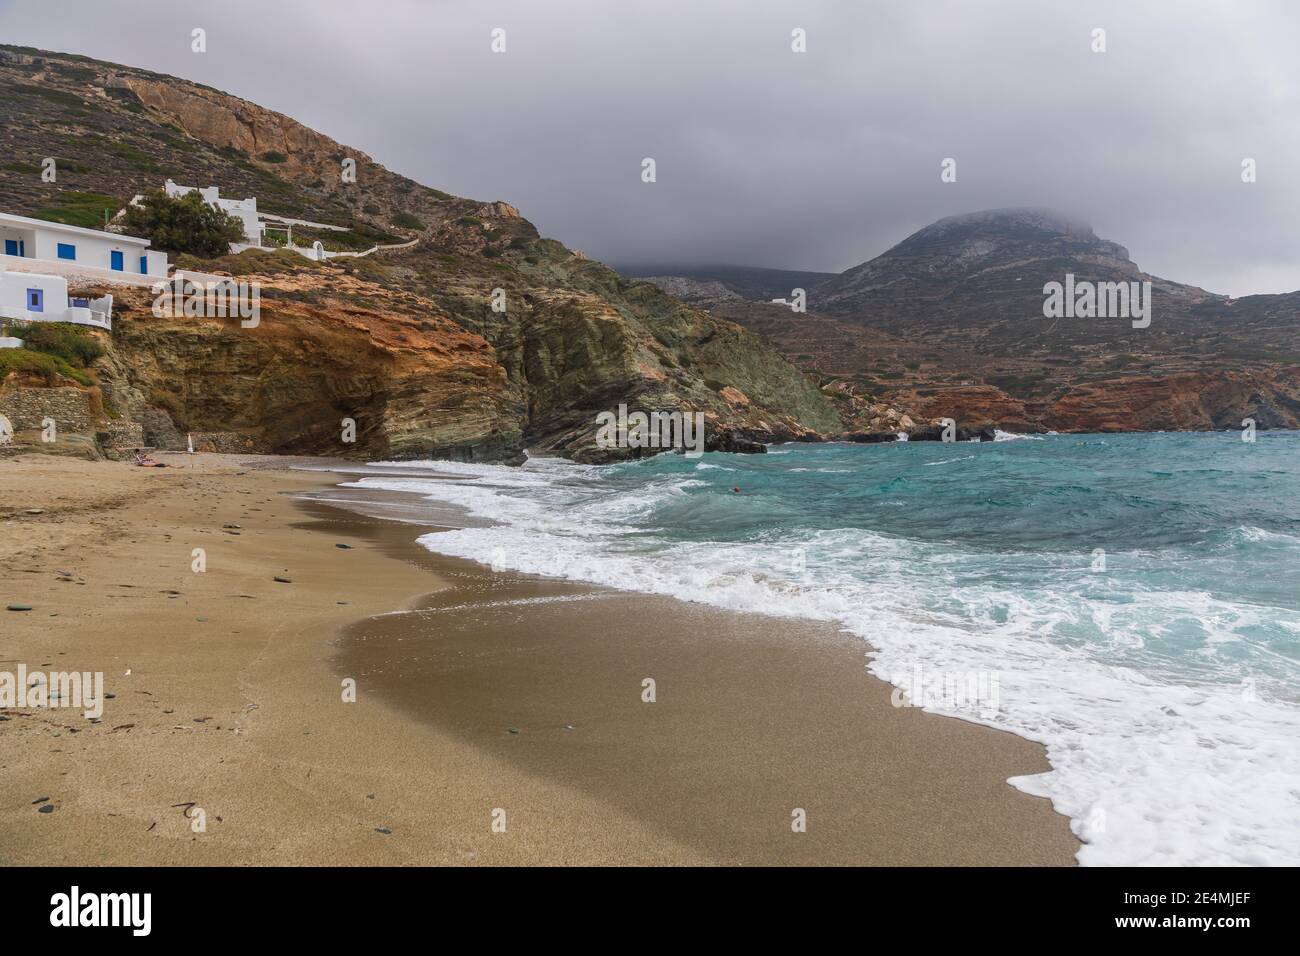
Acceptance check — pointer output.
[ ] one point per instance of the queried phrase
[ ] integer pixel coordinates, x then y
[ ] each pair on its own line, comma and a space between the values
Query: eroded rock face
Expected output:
226, 121
976, 406
1185, 401
1181, 402
414, 387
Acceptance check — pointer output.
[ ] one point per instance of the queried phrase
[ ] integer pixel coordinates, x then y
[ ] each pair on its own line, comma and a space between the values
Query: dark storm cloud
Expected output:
767, 157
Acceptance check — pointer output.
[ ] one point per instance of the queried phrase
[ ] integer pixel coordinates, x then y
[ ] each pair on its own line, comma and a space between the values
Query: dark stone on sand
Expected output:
19, 607
344, 547
384, 830
45, 808
282, 580
40, 800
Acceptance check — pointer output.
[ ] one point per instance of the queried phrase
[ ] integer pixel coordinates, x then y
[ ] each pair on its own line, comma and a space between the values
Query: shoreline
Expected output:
233, 703
587, 727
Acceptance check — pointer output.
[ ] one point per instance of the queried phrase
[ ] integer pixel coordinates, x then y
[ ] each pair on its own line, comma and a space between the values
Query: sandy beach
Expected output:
480, 696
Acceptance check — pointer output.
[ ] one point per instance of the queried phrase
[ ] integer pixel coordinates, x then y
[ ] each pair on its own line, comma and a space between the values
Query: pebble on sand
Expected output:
19, 607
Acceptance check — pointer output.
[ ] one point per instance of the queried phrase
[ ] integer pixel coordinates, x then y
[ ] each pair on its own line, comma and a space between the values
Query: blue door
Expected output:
144, 265
11, 247
115, 260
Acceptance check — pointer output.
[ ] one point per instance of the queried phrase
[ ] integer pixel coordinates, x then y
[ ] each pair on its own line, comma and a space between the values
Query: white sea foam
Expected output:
1150, 770
1000, 435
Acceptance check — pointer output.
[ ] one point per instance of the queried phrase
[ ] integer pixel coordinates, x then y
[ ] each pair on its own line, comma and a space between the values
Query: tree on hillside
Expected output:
185, 224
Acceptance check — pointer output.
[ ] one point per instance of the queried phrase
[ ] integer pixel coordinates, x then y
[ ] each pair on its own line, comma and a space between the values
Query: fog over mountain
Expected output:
765, 157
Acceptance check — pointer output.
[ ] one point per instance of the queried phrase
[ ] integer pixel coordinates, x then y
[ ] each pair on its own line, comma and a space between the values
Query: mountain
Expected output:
950, 323
708, 285
405, 342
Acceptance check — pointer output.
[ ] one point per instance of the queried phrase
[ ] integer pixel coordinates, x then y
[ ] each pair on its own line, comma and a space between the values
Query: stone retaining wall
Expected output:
227, 443
27, 407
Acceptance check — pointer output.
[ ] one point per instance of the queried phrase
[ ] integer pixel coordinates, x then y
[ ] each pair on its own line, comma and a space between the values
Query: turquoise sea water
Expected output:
1133, 600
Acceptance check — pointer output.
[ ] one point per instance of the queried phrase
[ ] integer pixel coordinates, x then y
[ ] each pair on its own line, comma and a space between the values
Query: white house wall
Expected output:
23, 240
13, 293
89, 250
15, 288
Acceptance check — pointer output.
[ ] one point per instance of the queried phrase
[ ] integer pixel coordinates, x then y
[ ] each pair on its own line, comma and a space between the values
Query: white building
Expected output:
245, 210
33, 297
89, 252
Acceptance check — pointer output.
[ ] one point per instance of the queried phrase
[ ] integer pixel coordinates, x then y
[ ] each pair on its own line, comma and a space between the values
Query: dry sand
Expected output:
496, 691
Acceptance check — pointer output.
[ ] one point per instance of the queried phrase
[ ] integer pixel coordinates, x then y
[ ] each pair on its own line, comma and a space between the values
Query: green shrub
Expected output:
23, 360
404, 220
48, 367
273, 157
63, 340
184, 225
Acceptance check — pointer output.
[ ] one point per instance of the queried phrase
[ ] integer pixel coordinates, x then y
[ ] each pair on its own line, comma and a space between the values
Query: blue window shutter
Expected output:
11, 247
67, 251
35, 300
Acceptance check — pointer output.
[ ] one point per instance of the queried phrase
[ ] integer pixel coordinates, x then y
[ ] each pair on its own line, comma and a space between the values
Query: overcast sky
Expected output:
766, 157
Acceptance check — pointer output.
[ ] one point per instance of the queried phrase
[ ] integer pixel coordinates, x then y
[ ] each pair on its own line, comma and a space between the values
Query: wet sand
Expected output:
233, 700
753, 718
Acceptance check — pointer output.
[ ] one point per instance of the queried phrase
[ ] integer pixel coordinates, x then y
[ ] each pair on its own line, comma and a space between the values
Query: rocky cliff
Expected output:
405, 342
